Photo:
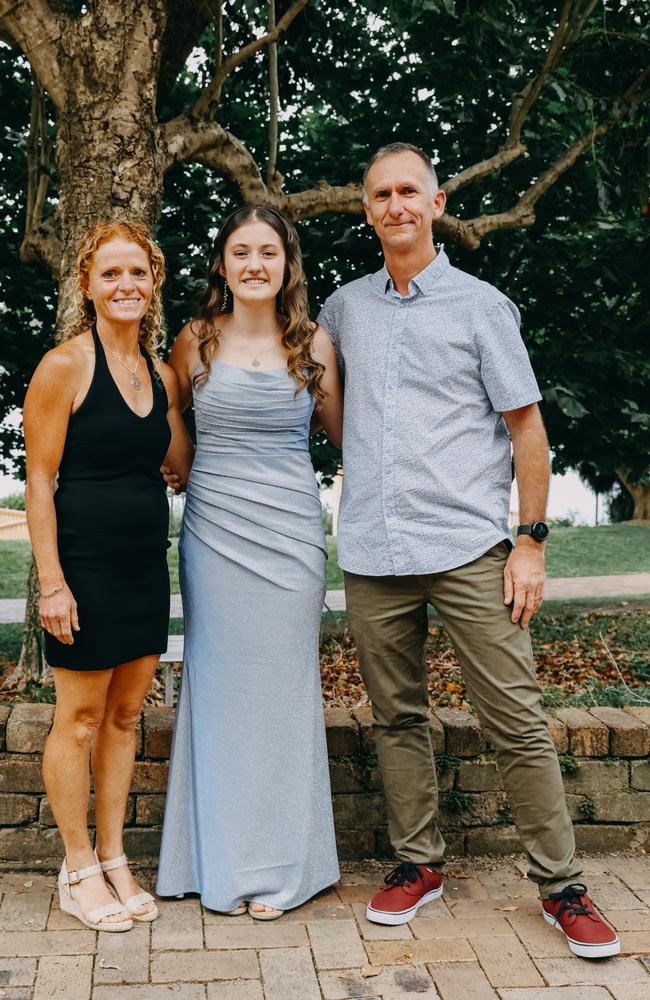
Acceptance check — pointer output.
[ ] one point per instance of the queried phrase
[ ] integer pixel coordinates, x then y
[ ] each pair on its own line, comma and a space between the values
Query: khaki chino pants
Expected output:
388, 618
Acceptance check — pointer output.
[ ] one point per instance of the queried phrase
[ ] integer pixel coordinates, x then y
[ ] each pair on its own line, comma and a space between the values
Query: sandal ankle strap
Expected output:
71, 877
121, 862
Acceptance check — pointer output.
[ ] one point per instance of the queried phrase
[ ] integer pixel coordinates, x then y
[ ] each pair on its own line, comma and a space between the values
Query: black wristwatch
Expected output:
538, 530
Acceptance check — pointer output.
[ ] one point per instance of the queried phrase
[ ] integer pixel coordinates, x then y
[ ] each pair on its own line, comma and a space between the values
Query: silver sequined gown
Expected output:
248, 814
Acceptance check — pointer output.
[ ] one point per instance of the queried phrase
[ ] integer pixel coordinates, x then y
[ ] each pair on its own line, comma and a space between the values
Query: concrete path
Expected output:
485, 940
562, 588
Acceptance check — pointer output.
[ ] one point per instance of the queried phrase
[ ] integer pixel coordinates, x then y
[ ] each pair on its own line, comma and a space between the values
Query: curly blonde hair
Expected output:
79, 315
297, 330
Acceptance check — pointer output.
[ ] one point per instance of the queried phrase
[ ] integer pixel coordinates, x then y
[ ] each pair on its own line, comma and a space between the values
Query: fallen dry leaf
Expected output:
371, 970
107, 965
459, 873
506, 909
28, 884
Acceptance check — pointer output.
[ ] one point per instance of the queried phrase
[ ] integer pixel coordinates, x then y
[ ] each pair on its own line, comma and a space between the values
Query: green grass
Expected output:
172, 562
608, 550
334, 576
605, 551
11, 639
15, 558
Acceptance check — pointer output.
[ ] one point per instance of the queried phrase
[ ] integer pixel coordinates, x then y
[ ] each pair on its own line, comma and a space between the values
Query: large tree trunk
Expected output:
640, 493
109, 159
108, 139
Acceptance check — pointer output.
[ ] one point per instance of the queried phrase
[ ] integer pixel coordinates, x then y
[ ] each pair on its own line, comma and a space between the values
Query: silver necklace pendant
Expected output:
255, 363
136, 383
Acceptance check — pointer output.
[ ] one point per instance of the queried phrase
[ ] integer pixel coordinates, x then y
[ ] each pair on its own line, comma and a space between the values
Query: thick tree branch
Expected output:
209, 143
186, 139
470, 232
209, 98
35, 28
570, 24
40, 153
43, 246
477, 171
346, 198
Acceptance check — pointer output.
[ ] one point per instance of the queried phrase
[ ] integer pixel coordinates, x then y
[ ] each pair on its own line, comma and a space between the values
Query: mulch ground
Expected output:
573, 663
584, 655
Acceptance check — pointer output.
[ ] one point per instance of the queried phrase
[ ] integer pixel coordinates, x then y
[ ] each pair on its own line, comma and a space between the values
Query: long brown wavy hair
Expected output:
297, 330
79, 315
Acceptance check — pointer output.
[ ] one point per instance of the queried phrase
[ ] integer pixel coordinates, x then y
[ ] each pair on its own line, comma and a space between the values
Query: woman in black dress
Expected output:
101, 415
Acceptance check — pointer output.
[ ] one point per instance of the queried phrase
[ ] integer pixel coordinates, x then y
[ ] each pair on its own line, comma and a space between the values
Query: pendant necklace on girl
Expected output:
135, 381
255, 363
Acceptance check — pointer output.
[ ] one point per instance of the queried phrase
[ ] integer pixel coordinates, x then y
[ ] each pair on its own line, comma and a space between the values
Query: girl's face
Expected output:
120, 281
254, 262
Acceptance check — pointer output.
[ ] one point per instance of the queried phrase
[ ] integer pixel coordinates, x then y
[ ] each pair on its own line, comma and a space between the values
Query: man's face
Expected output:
401, 205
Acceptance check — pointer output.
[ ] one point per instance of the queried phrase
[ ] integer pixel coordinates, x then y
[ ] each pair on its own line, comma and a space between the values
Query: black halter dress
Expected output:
112, 523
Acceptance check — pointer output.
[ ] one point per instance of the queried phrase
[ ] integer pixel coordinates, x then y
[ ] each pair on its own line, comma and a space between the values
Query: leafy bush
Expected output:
571, 519
14, 501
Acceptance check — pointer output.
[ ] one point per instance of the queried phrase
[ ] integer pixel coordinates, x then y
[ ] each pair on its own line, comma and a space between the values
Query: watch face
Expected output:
540, 531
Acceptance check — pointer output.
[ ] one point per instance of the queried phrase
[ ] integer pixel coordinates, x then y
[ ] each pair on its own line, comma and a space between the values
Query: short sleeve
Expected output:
328, 319
505, 366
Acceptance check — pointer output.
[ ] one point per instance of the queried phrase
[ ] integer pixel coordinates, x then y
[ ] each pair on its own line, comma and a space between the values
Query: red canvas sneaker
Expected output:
572, 912
409, 887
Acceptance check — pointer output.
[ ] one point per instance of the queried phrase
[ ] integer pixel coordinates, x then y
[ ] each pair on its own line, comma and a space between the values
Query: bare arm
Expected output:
180, 453
183, 359
48, 405
329, 413
524, 572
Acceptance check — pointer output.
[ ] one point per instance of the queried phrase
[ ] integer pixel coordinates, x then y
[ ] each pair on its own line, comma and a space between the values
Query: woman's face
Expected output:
254, 262
120, 281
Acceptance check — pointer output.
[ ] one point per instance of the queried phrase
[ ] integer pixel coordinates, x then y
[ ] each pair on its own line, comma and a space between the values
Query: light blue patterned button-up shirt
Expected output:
426, 452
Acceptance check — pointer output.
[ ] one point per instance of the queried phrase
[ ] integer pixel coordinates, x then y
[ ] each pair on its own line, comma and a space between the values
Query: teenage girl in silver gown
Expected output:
248, 822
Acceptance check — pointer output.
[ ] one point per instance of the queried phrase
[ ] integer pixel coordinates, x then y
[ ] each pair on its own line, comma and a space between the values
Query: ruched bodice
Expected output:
248, 807
241, 411
252, 481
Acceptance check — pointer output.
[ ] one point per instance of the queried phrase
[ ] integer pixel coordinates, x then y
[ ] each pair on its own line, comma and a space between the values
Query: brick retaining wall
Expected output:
604, 754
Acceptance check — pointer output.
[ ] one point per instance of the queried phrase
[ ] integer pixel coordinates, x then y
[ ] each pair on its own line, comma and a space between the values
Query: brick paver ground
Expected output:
485, 940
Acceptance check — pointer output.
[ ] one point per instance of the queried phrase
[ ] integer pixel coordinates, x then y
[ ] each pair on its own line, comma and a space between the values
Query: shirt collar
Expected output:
422, 282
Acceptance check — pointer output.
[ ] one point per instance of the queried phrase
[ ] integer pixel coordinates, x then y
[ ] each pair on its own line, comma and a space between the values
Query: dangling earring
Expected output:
282, 309
224, 301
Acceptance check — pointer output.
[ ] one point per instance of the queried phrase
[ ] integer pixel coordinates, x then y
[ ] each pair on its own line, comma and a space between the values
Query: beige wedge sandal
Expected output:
95, 919
139, 899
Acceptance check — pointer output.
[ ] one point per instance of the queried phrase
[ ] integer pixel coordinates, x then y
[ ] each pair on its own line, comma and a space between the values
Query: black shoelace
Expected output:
572, 903
406, 872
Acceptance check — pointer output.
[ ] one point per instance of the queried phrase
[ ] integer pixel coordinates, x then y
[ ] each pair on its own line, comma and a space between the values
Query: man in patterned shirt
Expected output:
437, 386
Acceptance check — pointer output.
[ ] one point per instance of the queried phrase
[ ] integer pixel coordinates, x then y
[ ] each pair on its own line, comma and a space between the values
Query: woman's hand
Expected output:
177, 463
58, 615
173, 480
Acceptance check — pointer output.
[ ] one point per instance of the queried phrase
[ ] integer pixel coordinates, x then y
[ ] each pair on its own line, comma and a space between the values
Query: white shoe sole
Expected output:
403, 917
271, 914
582, 949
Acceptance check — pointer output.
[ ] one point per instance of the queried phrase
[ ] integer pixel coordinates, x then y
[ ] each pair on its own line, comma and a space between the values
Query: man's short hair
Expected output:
401, 147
